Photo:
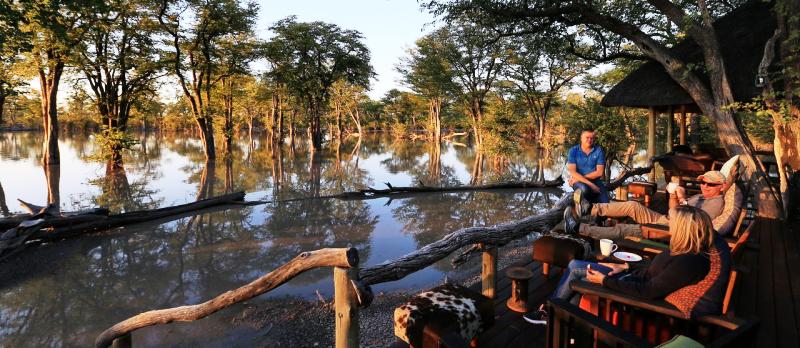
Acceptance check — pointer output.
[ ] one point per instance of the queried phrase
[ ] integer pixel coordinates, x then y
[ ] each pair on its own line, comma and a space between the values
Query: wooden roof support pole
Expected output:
651, 138
682, 136
670, 121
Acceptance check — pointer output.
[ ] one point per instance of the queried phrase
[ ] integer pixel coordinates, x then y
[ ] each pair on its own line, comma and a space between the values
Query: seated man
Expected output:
709, 200
586, 163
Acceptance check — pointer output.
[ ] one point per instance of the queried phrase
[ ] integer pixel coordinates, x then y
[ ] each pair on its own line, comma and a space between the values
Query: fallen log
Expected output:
392, 190
50, 228
495, 235
342, 257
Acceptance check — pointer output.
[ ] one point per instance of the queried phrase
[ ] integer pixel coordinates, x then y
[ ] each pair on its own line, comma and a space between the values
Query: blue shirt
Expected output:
585, 164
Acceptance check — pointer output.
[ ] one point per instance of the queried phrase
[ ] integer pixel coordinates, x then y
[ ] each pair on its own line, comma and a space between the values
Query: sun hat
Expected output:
712, 177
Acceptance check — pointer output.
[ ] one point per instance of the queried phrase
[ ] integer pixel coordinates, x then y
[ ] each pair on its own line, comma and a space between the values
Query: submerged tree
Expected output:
476, 58
427, 72
196, 42
119, 60
53, 29
309, 58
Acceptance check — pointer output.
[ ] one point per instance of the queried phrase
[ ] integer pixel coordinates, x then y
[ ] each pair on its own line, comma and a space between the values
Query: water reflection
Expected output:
64, 294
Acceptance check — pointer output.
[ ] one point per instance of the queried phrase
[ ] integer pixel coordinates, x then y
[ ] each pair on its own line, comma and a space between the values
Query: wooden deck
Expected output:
770, 283
510, 330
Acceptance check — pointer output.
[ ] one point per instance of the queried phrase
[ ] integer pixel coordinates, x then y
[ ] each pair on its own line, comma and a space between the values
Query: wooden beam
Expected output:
346, 307
488, 270
682, 137
670, 122
651, 138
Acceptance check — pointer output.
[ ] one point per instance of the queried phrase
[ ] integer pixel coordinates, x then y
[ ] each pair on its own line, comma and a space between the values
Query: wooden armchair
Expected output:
657, 321
569, 325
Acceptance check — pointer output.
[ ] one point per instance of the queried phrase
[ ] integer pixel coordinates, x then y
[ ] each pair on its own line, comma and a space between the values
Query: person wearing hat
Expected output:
710, 200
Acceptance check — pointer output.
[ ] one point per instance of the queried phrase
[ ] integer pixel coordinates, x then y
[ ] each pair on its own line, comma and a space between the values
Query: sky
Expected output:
390, 27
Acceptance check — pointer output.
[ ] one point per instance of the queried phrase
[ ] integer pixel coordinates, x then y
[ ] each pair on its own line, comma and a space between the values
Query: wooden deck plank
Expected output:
766, 301
782, 290
792, 247
509, 325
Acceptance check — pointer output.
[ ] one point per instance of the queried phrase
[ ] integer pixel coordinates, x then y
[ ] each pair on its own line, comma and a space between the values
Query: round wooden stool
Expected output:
519, 276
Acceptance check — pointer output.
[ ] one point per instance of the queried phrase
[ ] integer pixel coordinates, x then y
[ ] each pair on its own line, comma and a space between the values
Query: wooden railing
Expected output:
345, 272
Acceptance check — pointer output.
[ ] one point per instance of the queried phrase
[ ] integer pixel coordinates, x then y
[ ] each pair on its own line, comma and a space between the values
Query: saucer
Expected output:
626, 256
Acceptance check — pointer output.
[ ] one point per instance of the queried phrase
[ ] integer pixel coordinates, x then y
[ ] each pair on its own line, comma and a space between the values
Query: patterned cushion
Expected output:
705, 297
726, 221
445, 307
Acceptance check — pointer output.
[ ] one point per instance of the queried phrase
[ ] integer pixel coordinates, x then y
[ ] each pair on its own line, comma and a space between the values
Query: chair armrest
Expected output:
656, 306
643, 245
654, 231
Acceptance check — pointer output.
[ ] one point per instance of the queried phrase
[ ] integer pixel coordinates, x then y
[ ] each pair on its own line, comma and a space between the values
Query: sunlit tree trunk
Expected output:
49, 93
52, 174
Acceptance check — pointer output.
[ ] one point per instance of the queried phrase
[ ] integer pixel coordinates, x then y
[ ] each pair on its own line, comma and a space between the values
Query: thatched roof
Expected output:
742, 34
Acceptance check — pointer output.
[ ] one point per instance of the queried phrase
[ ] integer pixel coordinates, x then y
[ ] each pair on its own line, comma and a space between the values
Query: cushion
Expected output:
730, 169
680, 341
559, 249
447, 307
726, 221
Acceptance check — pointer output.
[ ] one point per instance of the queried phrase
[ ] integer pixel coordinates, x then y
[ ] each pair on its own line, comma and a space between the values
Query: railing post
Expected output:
124, 341
346, 304
488, 269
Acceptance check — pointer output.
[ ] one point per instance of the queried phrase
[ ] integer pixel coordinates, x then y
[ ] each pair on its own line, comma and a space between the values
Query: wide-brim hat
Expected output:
712, 177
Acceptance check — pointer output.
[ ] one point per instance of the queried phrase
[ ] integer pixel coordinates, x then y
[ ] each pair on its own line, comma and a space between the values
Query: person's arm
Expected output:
573, 171
680, 272
600, 167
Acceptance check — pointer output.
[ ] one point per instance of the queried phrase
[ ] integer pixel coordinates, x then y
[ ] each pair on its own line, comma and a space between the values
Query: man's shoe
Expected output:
582, 205
537, 317
571, 222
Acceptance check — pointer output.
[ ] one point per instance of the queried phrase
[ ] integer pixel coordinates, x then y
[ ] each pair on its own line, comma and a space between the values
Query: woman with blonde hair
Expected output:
692, 275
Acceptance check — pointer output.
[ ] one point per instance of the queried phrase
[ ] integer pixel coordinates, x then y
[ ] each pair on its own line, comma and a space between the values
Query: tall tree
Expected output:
540, 71
196, 30
54, 29
609, 25
120, 62
476, 57
427, 72
309, 57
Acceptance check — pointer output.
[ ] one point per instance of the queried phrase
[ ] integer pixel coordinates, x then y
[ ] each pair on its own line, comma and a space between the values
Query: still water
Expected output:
66, 293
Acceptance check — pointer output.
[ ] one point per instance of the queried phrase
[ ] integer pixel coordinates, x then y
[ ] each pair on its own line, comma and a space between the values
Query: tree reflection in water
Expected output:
65, 293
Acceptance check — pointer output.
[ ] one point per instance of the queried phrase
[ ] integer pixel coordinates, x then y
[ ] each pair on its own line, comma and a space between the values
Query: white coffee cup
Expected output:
607, 247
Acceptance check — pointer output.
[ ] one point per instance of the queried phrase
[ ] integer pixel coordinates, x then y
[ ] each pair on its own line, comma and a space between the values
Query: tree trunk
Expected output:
2, 107
52, 174
49, 86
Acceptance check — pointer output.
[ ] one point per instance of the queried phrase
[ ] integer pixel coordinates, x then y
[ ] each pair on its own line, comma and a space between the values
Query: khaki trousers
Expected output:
631, 209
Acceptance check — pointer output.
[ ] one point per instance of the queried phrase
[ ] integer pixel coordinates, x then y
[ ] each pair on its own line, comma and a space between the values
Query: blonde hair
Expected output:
691, 230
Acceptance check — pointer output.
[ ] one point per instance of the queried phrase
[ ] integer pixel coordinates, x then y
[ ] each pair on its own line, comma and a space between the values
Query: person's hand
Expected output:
680, 192
571, 181
615, 267
594, 276
593, 187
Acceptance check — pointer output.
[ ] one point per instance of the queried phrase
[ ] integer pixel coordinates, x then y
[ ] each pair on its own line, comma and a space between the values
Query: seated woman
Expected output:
692, 276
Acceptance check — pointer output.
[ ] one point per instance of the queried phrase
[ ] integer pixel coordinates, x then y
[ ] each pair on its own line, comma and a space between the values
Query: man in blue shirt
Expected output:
586, 163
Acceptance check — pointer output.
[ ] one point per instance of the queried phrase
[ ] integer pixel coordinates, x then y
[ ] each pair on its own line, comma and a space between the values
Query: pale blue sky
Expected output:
389, 27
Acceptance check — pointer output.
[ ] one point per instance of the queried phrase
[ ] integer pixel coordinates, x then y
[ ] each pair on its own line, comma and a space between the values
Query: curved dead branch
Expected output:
339, 257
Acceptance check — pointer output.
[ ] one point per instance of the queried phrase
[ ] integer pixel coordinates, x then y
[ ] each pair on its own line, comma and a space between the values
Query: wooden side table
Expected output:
644, 190
519, 276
